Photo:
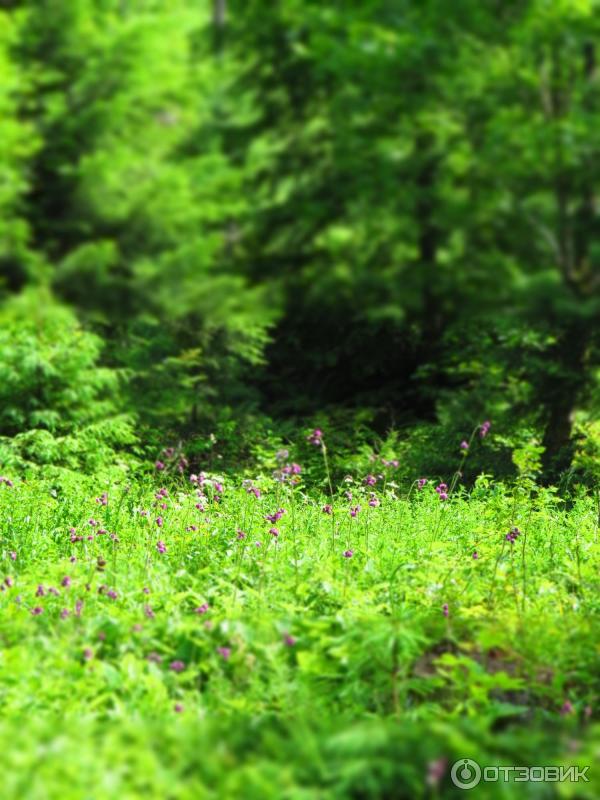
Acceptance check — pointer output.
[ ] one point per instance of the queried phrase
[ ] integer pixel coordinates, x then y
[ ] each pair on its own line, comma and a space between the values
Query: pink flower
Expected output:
161, 547
224, 652
567, 708
159, 465
370, 480
159, 522
203, 609
348, 553
13, 555
177, 666
354, 511
288, 640
66, 581
316, 437
464, 445
445, 610
37, 611
327, 509
274, 532
178, 708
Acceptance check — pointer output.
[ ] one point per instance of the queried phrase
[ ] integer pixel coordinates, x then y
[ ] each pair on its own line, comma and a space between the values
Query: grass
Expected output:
242, 663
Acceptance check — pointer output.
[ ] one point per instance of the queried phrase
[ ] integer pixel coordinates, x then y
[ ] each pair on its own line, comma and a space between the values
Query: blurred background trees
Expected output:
382, 213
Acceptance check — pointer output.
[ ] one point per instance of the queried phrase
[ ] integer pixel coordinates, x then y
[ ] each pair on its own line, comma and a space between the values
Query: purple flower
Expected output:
112, 594
370, 480
66, 581
40, 591
274, 532
9, 582
37, 611
224, 652
159, 522
88, 654
241, 535
78, 607
436, 770
13, 555
177, 666
327, 508
289, 641
354, 511
178, 708
348, 553
484, 428
421, 483
316, 437
202, 609
159, 465
445, 610
161, 547
148, 612
475, 555
154, 658
567, 708
464, 445
65, 613
513, 535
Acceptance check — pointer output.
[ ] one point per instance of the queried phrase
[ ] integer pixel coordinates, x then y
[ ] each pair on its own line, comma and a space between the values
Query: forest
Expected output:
299, 396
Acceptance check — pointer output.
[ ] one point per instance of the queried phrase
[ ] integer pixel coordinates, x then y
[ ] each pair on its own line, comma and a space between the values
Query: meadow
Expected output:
211, 636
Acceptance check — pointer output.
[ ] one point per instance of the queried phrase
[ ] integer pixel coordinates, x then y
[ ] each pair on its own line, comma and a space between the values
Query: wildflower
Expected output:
65, 613
112, 594
177, 666
241, 535
78, 607
103, 499
40, 591
445, 609
276, 515
567, 708
513, 535
161, 547
6, 481
257, 544
289, 641
159, 465
354, 511
316, 437
9, 582
13, 555
327, 508
148, 612
435, 771
202, 609
146, 590
475, 555
88, 654
154, 658
348, 553
37, 611
484, 428
370, 480
73, 559
421, 483
274, 532
442, 491
373, 501
66, 581
53, 590
178, 708
159, 522
192, 528
224, 652
464, 446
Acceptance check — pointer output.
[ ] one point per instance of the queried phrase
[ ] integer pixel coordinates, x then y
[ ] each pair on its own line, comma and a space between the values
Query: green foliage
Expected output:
58, 407
376, 681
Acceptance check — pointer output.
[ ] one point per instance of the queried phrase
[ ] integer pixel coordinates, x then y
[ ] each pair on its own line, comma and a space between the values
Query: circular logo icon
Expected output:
465, 773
